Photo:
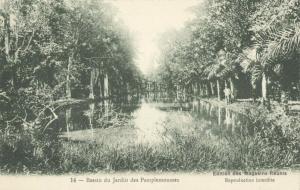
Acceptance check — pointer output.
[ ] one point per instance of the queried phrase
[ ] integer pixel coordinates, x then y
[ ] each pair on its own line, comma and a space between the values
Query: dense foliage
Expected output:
53, 50
51, 53
251, 46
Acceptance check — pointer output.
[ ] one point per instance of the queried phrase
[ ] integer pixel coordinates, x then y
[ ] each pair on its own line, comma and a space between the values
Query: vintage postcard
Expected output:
149, 94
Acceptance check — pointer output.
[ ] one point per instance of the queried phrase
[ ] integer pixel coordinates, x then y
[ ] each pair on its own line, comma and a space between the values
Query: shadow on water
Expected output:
88, 121
85, 115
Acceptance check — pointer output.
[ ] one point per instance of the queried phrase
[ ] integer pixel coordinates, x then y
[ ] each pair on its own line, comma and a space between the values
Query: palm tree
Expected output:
252, 62
268, 50
276, 38
214, 73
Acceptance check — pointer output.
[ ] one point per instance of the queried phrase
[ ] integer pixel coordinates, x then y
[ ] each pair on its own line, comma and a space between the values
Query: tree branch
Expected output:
3, 94
30, 39
55, 117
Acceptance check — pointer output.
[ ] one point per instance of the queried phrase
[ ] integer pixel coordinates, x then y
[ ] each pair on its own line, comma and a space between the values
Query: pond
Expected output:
144, 121
151, 134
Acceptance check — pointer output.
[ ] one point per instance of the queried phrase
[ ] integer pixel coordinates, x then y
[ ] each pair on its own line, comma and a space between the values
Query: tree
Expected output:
277, 38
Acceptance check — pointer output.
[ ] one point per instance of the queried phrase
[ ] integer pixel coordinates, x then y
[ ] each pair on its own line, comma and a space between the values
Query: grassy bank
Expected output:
189, 148
186, 146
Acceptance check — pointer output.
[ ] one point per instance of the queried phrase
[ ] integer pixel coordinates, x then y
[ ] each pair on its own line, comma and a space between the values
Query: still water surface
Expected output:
146, 122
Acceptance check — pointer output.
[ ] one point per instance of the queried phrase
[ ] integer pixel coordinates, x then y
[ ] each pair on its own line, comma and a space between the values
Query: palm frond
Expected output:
283, 42
214, 70
256, 73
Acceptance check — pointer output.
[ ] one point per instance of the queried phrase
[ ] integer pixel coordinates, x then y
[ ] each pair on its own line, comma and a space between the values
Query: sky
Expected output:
147, 20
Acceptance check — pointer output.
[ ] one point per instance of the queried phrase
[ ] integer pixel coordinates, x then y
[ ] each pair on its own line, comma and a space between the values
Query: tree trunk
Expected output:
184, 93
68, 81
6, 24
197, 90
218, 90
264, 90
37, 91
206, 90
232, 89
100, 82
203, 89
92, 79
127, 92
253, 91
91, 114
212, 88
106, 87
200, 89
7, 37
177, 92
6, 16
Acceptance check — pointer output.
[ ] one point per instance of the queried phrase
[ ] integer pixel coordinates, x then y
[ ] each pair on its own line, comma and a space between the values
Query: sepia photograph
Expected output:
169, 92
